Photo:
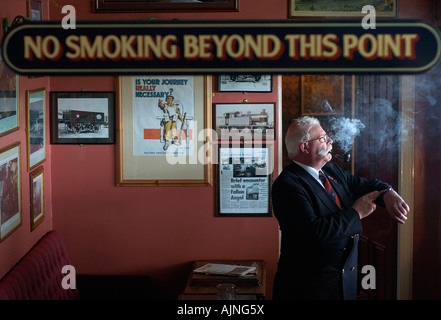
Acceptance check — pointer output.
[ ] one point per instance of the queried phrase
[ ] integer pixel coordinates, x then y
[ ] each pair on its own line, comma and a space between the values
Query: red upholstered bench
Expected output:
38, 276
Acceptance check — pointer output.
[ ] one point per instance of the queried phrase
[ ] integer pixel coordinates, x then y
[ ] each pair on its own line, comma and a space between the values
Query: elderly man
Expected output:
319, 208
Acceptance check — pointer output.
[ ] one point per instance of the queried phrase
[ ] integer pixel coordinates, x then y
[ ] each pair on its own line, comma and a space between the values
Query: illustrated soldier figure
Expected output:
171, 115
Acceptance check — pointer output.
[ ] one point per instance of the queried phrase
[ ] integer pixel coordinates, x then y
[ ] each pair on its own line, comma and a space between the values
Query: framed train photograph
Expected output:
247, 121
82, 117
9, 93
245, 83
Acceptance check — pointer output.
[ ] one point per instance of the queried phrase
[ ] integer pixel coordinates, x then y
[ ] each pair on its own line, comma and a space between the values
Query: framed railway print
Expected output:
9, 94
37, 197
247, 121
164, 131
82, 117
35, 127
245, 83
244, 177
10, 190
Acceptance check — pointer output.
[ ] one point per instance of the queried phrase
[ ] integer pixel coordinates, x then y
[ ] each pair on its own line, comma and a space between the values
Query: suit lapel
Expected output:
313, 184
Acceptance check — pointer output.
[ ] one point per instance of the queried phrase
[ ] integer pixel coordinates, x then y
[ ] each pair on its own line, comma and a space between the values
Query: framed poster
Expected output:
10, 190
9, 121
343, 8
250, 121
82, 117
322, 95
164, 122
245, 83
37, 197
244, 179
35, 127
164, 5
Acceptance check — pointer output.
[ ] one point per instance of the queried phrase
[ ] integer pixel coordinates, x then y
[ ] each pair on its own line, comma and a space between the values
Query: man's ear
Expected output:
303, 147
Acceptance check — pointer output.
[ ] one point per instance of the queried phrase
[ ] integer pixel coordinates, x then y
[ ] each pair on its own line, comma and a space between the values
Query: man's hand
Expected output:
365, 205
396, 206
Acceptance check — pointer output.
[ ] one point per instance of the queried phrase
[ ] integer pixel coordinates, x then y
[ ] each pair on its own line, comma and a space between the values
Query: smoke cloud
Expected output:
391, 127
344, 130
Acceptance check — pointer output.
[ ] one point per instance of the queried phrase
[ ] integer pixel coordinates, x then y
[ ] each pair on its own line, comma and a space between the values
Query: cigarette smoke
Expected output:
344, 130
391, 127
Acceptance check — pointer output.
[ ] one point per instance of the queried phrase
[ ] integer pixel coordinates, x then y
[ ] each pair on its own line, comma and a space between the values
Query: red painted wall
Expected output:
21, 240
150, 230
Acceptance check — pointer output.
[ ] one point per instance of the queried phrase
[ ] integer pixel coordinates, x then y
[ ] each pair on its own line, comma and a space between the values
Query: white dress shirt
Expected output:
312, 171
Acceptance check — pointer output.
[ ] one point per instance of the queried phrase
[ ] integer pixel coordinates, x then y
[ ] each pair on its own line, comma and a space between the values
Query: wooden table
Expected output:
203, 286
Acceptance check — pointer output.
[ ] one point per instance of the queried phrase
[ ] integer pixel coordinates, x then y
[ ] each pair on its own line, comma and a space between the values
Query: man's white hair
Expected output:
297, 133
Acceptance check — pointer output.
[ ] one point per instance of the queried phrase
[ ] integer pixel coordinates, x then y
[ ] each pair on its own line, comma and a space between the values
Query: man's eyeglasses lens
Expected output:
324, 138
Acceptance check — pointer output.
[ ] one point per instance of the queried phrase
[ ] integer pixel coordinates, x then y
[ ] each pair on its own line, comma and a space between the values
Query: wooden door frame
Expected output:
405, 183
406, 189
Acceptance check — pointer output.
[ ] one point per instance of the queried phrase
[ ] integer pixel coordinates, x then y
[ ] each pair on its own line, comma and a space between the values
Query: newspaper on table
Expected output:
244, 180
225, 269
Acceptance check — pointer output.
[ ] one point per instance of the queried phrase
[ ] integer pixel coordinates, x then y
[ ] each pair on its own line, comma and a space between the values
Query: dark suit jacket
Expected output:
319, 246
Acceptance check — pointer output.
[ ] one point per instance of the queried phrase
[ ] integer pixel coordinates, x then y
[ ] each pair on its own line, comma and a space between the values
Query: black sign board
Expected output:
203, 47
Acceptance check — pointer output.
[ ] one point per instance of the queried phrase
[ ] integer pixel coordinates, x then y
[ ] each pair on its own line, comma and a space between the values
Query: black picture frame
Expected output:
243, 179
82, 117
247, 121
164, 5
245, 83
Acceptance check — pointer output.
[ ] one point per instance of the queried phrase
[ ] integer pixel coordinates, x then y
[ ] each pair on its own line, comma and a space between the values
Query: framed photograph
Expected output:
34, 9
322, 95
35, 127
10, 190
165, 5
248, 121
343, 8
164, 131
245, 83
8, 100
37, 197
82, 117
243, 183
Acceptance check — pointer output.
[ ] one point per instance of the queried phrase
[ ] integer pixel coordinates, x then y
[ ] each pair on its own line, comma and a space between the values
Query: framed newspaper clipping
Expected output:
164, 131
244, 179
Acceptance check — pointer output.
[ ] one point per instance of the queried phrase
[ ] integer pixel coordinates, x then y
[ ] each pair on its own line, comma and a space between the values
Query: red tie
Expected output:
329, 188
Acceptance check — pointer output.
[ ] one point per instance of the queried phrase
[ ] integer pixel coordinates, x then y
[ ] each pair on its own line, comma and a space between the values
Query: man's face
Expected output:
169, 99
319, 145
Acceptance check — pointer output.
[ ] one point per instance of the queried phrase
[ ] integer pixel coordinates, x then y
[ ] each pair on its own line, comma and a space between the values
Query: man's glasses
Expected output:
324, 138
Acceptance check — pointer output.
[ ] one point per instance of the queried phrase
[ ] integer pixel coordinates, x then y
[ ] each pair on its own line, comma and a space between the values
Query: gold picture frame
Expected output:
341, 9
10, 194
37, 197
147, 154
322, 95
